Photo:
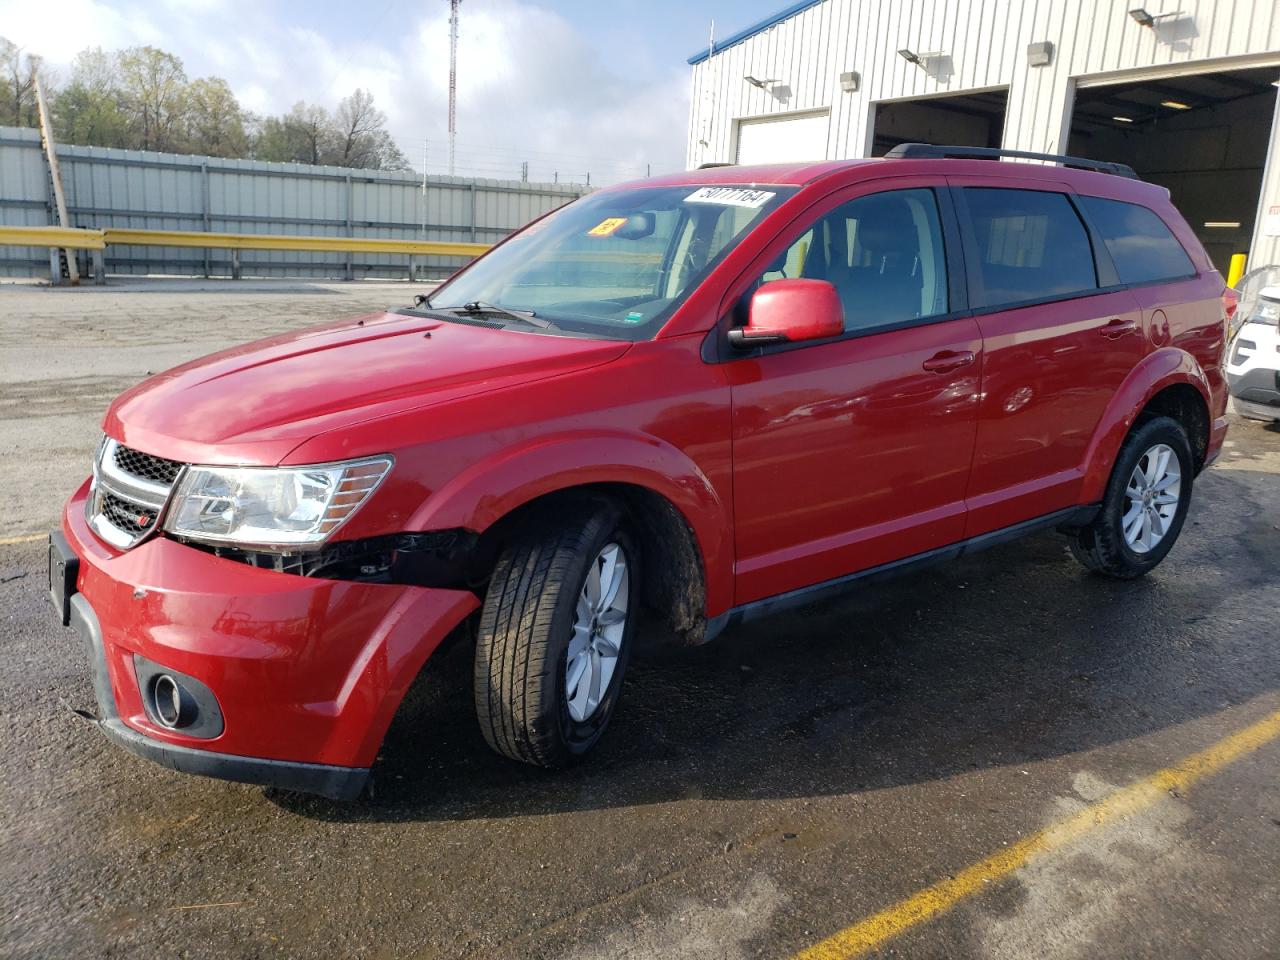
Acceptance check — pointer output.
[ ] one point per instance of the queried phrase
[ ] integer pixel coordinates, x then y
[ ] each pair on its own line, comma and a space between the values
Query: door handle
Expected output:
1116, 328
948, 360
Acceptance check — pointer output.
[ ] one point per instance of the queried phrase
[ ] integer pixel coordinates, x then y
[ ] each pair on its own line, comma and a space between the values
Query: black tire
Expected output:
1101, 546
525, 628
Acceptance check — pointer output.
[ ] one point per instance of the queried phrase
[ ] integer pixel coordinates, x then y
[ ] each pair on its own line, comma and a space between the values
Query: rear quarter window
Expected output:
1031, 246
1141, 244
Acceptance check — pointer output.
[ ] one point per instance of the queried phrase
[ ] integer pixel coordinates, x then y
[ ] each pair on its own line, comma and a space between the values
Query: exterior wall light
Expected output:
849, 81
1039, 54
931, 62
1143, 18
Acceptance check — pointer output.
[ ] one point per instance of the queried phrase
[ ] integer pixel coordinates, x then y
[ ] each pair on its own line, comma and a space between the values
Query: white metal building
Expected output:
1185, 91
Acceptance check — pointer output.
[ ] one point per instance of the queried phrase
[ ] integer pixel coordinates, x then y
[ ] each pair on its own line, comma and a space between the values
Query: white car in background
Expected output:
1253, 367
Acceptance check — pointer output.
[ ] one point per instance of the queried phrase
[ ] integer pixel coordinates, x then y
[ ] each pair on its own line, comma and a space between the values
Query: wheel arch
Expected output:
679, 515
1167, 382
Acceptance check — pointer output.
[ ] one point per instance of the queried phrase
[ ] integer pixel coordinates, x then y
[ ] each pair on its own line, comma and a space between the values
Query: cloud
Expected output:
532, 85
78, 24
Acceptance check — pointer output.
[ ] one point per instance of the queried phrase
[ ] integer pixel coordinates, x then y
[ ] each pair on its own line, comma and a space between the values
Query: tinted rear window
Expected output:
1143, 248
1031, 246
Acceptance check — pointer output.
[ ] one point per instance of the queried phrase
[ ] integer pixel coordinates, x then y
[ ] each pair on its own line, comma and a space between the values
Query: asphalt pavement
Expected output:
863, 769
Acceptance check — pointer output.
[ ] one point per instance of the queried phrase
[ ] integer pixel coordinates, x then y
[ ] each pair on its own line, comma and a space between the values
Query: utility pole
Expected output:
55, 176
424, 189
453, 79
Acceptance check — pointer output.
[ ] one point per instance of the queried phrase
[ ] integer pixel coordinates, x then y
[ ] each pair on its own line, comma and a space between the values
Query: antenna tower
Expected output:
453, 79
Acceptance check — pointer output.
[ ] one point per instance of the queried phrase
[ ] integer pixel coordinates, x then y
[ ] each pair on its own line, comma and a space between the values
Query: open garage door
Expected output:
783, 139
1204, 136
964, 120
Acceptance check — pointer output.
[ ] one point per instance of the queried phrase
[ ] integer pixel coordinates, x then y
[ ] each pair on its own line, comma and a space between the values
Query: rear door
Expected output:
1059, 336
853, 452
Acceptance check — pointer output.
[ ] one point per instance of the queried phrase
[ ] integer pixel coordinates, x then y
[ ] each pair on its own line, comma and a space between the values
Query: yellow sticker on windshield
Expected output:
606, 227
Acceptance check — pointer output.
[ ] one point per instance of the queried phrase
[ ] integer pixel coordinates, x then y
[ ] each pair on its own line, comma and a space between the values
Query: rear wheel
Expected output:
1145, 503
555, 635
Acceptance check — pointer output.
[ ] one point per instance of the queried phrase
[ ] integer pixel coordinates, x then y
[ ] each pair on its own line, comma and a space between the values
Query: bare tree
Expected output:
361, 136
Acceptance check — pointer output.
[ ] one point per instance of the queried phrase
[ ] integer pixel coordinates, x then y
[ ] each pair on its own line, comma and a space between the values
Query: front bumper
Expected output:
307, 673
1259, 386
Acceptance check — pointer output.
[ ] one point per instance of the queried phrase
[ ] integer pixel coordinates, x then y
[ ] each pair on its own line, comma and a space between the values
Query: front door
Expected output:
854, 452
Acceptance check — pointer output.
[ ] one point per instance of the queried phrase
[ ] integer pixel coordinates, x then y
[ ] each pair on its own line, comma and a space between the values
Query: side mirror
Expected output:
791, 311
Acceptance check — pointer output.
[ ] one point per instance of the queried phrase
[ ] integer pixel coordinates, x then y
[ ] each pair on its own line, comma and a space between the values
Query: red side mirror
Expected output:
791, 311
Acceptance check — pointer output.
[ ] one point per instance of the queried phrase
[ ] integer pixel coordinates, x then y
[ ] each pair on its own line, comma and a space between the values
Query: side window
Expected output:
1142, 246
883, 253
1031, 245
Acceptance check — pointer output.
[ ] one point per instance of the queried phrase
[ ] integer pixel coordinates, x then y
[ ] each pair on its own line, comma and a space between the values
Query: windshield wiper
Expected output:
480, 307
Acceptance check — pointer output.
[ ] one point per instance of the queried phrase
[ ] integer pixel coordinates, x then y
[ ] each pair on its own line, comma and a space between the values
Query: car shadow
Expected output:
1006, 657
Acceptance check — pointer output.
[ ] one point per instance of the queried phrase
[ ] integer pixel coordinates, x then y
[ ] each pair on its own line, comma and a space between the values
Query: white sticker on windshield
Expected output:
731, 196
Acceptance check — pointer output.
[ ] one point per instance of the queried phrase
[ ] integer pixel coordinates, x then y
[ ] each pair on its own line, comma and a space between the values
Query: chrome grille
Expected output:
129, 494
127, 516
144, 465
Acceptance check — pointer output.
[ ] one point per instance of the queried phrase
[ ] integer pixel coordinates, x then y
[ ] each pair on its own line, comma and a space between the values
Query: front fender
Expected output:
492, 488
1162, 368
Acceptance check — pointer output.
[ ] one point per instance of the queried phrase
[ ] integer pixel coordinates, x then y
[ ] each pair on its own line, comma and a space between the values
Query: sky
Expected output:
571, 87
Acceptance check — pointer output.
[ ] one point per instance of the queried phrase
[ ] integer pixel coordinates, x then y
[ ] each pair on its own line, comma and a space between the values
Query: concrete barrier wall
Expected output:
163, 191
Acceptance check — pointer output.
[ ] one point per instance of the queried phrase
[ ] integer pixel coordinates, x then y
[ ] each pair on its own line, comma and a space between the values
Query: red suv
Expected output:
707, 396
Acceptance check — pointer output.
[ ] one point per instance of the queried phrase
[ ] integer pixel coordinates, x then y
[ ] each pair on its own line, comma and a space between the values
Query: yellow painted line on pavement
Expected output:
25, 538
875, 930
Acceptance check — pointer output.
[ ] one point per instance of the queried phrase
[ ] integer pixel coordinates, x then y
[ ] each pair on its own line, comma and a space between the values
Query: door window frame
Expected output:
1106, 278
1102, 244
734, 303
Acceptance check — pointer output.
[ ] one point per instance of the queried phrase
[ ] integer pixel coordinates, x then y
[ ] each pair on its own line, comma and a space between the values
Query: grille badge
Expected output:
130, 492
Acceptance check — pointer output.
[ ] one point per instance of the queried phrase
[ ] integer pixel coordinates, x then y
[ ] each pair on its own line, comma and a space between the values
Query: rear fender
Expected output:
1160, 369
492, 488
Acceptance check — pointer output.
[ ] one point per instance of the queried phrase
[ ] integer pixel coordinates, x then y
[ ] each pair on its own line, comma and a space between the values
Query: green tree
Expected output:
154, 88
17, 85
89, 110
215, 123
140, 99
303, 135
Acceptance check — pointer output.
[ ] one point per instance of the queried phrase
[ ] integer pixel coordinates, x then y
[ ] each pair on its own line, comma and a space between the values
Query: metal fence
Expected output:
162, 191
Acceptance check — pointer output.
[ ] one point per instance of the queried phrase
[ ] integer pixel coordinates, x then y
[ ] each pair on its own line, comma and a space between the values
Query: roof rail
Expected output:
715, 163
917, 150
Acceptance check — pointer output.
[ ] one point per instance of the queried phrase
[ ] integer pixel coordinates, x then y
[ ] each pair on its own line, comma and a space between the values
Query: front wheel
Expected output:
555, 635
1145, 503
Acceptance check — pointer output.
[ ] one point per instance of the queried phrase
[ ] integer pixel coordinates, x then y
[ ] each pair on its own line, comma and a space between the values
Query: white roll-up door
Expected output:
783, 139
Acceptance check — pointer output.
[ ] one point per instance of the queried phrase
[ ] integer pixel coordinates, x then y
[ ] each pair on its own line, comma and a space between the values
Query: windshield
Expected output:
614, 264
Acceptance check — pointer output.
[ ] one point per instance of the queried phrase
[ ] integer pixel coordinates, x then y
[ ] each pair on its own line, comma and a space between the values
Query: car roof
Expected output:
800, 174
794, 174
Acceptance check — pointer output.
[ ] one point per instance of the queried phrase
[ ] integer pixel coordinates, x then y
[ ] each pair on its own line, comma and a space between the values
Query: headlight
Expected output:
271, 506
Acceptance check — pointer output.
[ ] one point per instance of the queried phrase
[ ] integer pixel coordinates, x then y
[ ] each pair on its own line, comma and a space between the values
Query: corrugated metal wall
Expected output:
161, 191
982, 45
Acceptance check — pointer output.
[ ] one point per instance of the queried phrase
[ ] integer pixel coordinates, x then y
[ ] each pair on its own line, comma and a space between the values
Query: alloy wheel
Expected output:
599, 625
1151, 498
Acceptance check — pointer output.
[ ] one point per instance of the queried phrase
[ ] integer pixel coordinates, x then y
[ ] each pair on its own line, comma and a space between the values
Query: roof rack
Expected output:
918, 150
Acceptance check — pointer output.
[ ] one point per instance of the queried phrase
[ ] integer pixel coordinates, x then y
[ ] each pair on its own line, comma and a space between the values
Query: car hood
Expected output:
254, 403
